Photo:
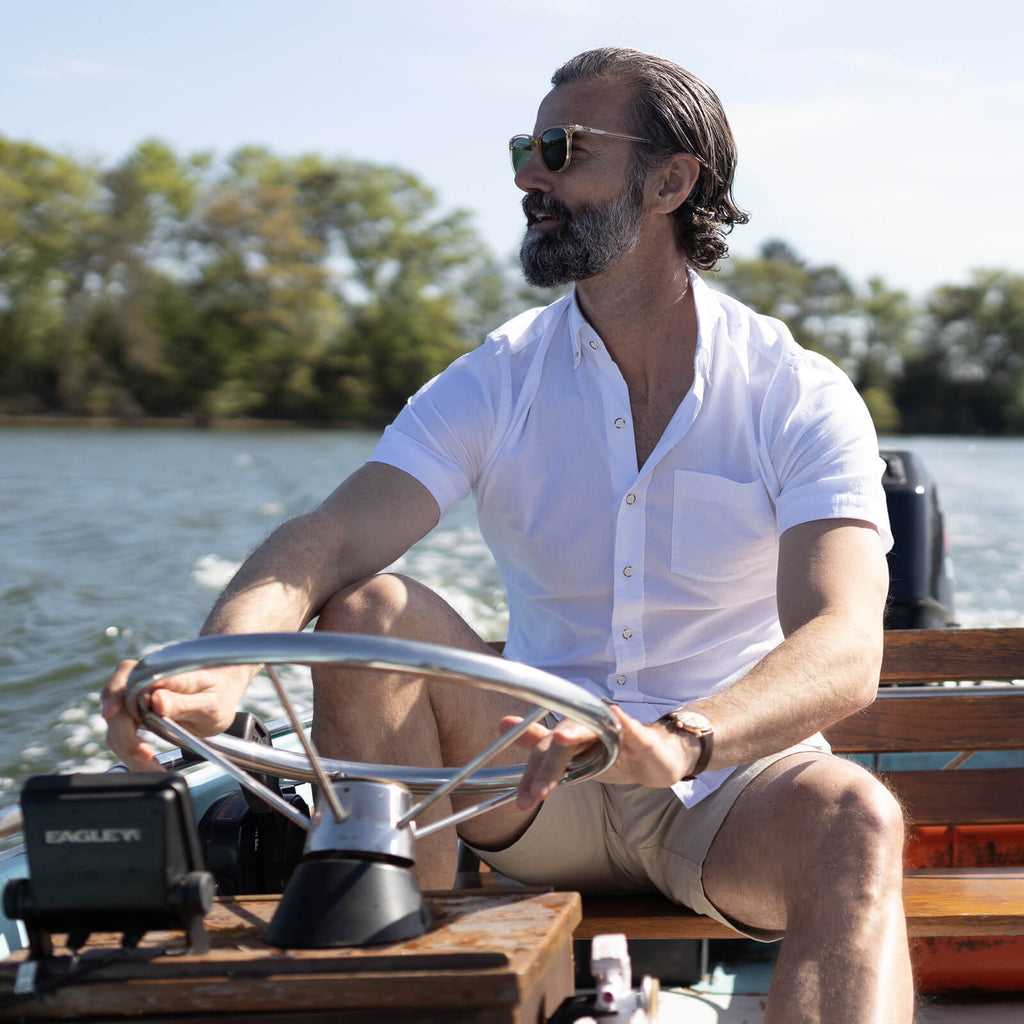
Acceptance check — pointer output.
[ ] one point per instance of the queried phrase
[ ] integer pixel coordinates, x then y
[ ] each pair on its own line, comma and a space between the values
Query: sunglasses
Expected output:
555, 145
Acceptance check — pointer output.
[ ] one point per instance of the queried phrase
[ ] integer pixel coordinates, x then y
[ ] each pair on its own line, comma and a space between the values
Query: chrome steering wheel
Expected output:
494, 785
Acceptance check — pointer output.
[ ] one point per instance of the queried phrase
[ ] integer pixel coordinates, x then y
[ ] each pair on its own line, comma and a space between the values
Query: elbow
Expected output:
866, 668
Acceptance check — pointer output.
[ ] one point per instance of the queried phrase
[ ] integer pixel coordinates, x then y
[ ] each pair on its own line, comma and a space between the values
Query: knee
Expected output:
860, 831
875, 820
373, 605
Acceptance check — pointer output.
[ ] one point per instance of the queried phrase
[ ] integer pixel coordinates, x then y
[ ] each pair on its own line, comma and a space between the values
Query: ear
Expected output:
675, 180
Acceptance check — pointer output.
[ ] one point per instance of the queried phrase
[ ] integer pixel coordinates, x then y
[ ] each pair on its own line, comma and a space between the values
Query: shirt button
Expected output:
628, 571
620, 423
620, 680
630, 499
627, 633
593, 344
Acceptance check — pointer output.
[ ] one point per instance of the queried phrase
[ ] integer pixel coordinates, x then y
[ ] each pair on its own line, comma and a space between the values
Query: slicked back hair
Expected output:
678, 113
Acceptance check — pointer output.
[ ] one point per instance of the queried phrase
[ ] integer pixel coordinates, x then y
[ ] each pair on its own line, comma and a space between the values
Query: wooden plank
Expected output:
646, 915
490, 956
975, 796
946, 901
928, 655
964, 901
925, 719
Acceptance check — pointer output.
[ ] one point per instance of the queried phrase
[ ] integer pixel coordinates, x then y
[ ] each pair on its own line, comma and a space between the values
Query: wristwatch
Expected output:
683, 720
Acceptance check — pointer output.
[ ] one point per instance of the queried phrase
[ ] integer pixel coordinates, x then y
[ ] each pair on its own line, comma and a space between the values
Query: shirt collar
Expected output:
577, 327
708, 313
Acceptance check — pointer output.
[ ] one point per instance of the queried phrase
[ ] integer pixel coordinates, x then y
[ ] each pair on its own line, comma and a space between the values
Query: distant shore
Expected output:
190, 422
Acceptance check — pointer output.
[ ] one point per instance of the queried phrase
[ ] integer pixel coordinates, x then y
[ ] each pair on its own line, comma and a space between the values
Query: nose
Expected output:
533, 176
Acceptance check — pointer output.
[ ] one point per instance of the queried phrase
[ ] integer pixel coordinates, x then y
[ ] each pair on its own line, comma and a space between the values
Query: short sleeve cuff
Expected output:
445, 480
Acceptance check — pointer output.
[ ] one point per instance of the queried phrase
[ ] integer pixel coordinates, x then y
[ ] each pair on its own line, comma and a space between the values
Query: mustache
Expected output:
536, 204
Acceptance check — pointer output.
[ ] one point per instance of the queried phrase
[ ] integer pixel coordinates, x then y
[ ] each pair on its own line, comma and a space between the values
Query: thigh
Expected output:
566, 845
796, 828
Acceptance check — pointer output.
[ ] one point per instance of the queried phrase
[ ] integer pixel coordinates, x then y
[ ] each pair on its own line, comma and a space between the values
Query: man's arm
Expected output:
372, 518
832, 586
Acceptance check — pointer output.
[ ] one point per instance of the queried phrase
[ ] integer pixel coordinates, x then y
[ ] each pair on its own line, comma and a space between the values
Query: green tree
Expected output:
416, 284
969, 373
263, 313
115, 363
816, 303
48, 211
891, 331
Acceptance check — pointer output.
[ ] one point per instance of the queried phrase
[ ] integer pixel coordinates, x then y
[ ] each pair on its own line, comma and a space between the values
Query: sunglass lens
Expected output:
554, 148
519, 149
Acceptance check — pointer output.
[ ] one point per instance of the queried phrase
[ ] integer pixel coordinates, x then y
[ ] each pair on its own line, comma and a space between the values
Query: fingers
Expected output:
202, 702
551, 750
648, 755
112, 697
122, 729
201, 711
124, 741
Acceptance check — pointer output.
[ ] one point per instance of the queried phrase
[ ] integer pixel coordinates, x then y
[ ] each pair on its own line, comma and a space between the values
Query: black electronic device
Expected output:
116, 852
248, 847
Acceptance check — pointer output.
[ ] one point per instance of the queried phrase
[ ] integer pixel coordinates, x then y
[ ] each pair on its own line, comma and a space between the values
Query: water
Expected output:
115, 542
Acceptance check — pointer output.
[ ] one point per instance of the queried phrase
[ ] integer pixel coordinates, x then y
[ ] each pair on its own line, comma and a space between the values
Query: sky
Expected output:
884, 137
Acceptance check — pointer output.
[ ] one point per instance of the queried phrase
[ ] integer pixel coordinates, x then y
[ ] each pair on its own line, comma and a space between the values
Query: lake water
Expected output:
113, 542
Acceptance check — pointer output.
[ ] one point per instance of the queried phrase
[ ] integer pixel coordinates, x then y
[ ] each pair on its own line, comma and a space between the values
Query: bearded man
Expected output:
687, 512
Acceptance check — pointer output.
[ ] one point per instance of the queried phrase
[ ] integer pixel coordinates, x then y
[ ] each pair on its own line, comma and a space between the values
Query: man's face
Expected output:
582, 220
588, 240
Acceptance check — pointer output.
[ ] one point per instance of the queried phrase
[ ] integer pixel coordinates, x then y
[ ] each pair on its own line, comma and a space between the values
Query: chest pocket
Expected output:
722, 530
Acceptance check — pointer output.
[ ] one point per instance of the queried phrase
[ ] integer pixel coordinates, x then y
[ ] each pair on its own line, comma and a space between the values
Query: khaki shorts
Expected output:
594, 837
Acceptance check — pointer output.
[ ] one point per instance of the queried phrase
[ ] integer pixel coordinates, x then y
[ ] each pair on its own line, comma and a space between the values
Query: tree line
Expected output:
327, 290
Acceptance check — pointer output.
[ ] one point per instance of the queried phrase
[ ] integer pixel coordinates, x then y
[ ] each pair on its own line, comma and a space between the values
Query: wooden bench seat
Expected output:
931, 714
960, 902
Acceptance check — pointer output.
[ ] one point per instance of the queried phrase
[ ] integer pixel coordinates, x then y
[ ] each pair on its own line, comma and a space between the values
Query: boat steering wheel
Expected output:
494, 785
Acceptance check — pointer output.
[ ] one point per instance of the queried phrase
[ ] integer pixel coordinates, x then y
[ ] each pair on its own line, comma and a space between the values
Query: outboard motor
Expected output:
920, 569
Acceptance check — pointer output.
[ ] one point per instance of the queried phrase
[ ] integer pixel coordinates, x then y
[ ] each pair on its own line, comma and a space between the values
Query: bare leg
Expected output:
815, 846
376, 717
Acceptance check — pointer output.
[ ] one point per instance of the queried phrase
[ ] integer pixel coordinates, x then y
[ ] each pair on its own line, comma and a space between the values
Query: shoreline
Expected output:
177, 423
223, 423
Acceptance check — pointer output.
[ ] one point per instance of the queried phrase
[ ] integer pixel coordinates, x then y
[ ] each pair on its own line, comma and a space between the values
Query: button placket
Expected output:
627, 587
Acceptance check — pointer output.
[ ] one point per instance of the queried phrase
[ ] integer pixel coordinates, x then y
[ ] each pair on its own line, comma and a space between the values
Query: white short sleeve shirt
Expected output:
651, 585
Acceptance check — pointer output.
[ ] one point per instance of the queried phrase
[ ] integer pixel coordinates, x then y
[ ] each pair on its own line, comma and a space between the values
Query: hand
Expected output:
650, 755
203, 702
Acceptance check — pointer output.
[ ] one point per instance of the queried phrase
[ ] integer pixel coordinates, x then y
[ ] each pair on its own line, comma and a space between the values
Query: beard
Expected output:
587, 242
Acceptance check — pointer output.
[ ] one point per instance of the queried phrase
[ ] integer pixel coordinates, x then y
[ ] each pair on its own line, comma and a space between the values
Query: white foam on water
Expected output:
261, 697
214, 572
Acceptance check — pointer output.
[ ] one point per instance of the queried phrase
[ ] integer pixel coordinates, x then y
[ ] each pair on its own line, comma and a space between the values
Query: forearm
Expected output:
280, 586
368, 522
822, 673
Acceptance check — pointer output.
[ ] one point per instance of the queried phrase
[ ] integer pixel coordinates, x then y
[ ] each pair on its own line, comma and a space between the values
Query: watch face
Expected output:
692, 721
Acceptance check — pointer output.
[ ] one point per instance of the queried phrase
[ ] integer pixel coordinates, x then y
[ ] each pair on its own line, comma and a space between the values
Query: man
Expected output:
686, 510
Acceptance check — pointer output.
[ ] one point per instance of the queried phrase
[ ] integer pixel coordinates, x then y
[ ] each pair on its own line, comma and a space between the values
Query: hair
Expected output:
677, 113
